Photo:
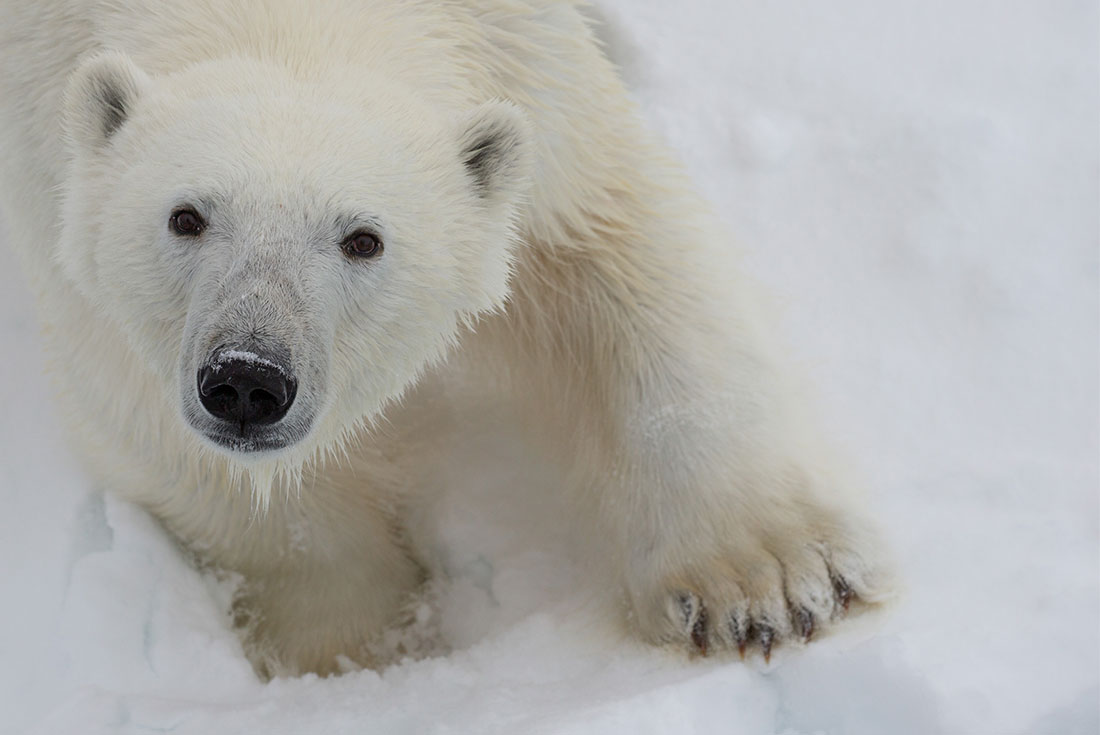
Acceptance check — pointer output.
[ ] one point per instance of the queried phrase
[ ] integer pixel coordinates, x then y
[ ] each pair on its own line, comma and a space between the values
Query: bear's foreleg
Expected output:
723, 522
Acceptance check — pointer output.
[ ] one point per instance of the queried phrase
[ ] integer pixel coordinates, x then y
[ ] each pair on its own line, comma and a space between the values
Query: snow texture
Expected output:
918, 183
244, 356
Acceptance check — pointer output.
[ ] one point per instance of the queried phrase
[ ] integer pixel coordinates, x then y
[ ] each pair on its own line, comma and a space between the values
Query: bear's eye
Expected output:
362, 244
186, 222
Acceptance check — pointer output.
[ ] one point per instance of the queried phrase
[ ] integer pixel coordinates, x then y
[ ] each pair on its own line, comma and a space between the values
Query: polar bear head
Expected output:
285, 255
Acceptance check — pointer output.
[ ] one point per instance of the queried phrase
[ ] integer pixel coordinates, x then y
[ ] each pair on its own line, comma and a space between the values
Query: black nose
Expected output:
246, 388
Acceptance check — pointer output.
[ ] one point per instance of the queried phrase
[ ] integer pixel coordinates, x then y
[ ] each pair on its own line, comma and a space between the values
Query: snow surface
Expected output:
918, 182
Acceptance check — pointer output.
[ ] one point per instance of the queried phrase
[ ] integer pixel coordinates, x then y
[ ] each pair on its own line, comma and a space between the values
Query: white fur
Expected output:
574, 273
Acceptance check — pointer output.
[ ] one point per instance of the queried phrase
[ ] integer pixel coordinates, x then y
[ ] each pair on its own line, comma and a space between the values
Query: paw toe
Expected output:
760, 596
739, 628
804, 623
766, 635
688, 615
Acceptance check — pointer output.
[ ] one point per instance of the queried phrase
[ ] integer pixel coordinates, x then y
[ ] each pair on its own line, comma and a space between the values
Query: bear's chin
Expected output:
250, 443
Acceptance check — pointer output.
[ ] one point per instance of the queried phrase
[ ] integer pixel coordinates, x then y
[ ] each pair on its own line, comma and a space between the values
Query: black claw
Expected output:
739, 630
766, 634
843, 591
804, 623
699, 630
695, 620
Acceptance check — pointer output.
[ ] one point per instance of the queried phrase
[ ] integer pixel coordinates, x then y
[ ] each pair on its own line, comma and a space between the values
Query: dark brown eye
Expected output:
362, 244
186, 222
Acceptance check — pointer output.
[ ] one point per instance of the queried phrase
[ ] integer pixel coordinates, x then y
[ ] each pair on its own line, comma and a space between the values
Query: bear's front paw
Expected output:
759, 587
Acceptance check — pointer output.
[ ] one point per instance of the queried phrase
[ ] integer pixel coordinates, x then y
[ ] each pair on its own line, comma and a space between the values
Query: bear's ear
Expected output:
100, 98
496, 142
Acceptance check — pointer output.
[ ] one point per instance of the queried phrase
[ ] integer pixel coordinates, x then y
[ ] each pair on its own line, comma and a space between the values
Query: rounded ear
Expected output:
100, 98
496, 145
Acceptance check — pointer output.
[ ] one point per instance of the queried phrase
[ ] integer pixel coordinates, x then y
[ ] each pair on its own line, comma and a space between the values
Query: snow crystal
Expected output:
250, 358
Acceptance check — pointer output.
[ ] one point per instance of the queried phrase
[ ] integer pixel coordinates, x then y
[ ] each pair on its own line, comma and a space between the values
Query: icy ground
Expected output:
918, 182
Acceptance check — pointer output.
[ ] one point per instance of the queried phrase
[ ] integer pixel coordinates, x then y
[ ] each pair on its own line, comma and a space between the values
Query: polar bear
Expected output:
275, 244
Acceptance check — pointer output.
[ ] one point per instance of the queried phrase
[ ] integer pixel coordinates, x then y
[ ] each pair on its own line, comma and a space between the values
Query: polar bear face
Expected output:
285, 256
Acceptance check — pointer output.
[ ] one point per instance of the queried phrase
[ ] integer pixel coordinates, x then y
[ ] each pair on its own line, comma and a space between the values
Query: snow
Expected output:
917, 181
245, 356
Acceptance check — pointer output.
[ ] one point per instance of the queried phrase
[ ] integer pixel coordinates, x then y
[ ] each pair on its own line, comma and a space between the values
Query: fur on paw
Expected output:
762, 592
